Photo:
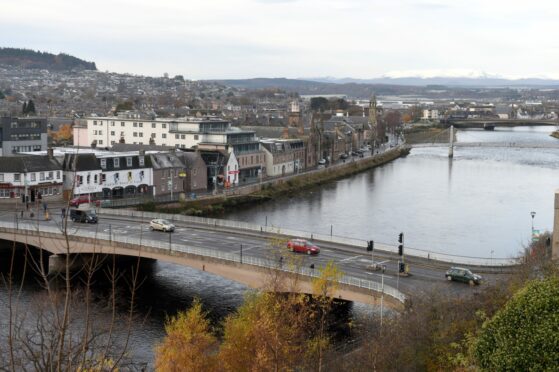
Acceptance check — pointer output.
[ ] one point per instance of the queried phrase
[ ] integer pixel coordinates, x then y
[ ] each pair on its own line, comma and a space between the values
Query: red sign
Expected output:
234, 172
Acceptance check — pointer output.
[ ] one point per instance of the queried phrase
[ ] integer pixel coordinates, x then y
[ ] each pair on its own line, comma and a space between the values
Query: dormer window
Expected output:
141, 159
116, 162
104, 163
129, 161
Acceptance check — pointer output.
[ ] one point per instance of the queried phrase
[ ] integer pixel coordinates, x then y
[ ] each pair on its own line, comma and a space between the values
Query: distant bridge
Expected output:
525, 145
481, 123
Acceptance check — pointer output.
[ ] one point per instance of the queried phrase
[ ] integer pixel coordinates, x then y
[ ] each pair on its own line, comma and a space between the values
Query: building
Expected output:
196, 178
22, 134
430, 114
283, 156
82, 175
35, 177
168, 174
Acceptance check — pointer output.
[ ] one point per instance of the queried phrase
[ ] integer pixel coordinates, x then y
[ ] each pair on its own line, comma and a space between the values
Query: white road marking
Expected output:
380, 275
350, 258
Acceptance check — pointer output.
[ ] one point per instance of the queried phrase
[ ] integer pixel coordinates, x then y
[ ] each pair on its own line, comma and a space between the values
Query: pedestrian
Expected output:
63, 213
27, 206
45, 206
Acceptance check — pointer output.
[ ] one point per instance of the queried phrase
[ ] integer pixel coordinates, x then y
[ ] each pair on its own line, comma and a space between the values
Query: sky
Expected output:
233, 39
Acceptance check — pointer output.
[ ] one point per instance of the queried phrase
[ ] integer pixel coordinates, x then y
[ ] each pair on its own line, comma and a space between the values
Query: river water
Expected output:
476, 204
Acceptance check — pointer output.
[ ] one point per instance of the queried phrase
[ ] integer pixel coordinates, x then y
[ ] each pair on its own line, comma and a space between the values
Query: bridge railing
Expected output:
171, 247
359, 243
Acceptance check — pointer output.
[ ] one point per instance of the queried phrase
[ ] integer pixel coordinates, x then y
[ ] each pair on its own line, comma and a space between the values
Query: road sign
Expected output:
170, 183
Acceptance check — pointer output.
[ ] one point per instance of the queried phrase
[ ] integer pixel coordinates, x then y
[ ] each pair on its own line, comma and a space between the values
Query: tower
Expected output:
294, 116
373, 120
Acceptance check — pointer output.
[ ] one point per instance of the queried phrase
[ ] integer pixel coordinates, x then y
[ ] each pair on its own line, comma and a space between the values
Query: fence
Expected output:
169, 248
359, 243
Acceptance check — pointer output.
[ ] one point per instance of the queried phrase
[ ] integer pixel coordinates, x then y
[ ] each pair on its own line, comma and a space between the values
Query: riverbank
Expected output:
555, 134
215, 205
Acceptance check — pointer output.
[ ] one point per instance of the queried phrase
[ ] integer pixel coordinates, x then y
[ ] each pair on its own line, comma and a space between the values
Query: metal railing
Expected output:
170, 247
358, 243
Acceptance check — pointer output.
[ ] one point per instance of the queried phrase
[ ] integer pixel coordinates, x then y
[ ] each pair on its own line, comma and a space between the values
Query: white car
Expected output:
161, 225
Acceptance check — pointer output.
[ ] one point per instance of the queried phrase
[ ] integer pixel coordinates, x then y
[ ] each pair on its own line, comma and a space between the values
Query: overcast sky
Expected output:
205, 39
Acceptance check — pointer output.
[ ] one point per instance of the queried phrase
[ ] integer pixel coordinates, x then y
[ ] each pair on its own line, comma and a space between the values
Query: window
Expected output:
116, 162
95, 179
182, 136
94, 122
121, 123
51, 175
129, 161
141, 125
88, 178
112, 123
103, 163
1, 177
163, 126
153, 125
164, 135
122, 134
135, 134
42, 176
194, 171
141, 134
32, 177
100, 142
153, 135
103, 177
95, 132
17, 177
112, 132
195, 136
100, 132
135, 125
57, 175
176, 136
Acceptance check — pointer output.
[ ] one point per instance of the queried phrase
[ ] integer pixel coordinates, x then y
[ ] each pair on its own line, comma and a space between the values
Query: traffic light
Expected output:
370, 245
401, 238
401, 267
401, 249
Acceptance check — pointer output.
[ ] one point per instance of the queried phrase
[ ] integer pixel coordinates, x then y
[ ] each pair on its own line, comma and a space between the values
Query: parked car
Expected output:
82, 199
83, 215
354, 153
161, 225
322, 162
461, 274
303, 246
343, 155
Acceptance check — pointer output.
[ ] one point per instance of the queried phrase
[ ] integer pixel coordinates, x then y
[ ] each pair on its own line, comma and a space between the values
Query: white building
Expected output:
430, 114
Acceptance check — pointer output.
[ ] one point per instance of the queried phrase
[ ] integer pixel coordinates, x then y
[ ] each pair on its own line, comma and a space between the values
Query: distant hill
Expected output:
445, 81
26, 58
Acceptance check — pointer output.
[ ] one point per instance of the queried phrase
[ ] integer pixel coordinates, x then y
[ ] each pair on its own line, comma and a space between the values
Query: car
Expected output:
83, 215
322, 162
79, 200
354, 153
461, 274
161, 225
343, 155
303, 246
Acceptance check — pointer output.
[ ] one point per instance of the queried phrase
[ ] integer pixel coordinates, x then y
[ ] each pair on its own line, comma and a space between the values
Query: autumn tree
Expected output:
189, 344
524, 335
63, 134
324, 288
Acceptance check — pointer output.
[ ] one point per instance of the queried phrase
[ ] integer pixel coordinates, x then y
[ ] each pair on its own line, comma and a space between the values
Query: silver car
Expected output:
161, 225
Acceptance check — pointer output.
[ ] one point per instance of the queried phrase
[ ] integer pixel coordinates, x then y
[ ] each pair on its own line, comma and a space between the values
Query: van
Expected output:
83, 215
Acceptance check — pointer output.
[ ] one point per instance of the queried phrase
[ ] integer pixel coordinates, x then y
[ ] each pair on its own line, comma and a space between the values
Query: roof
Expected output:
168, 160
25, 164
80, 162
125, 147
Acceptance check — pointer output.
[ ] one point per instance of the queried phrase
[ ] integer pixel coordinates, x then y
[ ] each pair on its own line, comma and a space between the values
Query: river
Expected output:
477, 204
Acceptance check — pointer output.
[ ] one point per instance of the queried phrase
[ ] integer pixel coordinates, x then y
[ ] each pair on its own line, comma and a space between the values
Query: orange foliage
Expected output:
64, 133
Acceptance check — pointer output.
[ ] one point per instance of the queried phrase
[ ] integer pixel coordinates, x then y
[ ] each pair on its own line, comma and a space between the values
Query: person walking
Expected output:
63, 213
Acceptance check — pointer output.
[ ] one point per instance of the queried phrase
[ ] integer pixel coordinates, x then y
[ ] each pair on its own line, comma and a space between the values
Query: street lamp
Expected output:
533, 214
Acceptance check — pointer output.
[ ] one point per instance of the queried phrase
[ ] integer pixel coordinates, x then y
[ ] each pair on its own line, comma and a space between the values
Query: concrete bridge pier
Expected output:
57, 264
451, 143
555, 234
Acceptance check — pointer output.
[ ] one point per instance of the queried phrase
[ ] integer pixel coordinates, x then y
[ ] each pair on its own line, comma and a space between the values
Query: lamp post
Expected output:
533, 214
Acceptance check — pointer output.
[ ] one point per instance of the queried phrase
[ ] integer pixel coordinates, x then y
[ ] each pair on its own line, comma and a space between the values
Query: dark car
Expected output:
461, 274
303, 246
83, 215
343, 156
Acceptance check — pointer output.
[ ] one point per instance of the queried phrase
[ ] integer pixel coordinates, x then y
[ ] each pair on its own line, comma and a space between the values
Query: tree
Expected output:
324, 288
24, 108
2, 96
189, 344
30, 107
319, 104
124, 106
63, 134
524, 335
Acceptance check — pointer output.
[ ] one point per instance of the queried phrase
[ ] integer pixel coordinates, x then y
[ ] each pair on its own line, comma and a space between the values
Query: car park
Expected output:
83, 215
302, 246
461, 274
161, 225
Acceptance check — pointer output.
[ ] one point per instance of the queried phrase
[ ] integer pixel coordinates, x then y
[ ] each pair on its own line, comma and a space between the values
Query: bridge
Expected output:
525, 145
481, 123
246, 269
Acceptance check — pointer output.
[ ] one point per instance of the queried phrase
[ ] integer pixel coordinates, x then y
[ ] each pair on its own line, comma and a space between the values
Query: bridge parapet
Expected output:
140, 246
347, 241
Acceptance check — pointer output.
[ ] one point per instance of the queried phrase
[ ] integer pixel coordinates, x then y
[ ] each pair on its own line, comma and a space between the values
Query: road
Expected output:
352, 261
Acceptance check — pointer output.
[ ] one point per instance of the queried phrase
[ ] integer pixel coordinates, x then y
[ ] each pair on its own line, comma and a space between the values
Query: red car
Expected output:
301, 245
82, 199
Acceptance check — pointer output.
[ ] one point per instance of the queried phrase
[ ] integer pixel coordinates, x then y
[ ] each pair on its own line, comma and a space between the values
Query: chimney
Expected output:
50, 152
142, 152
